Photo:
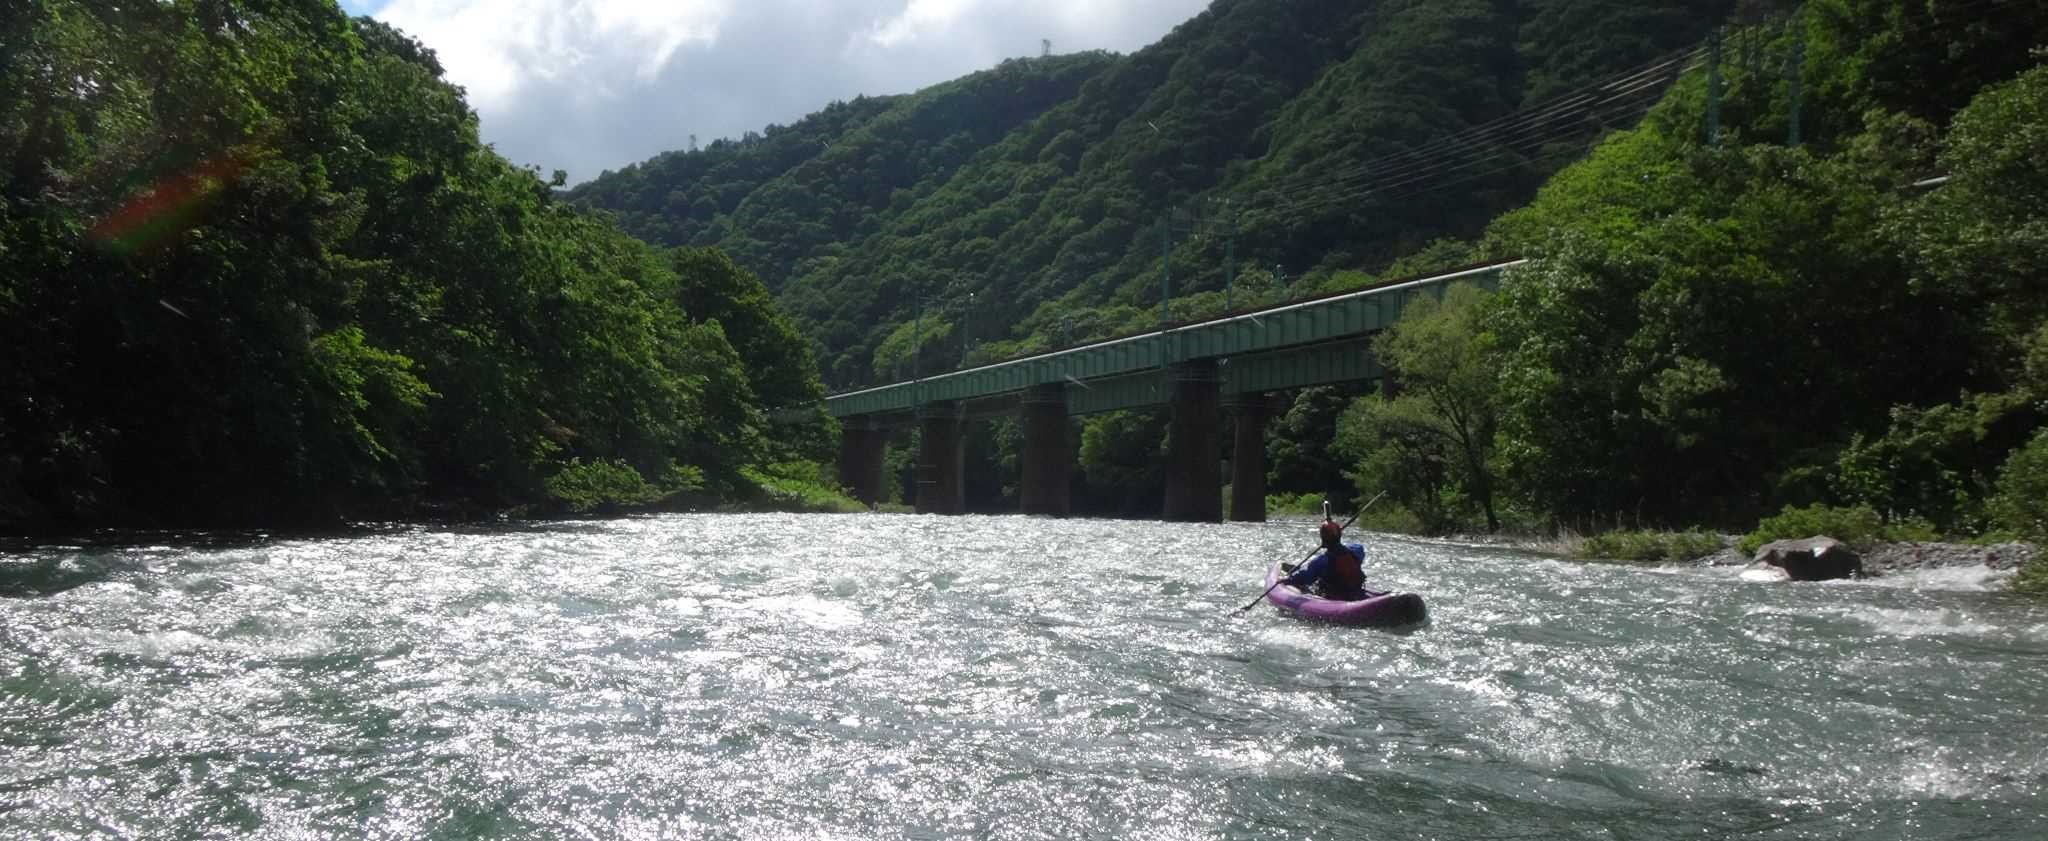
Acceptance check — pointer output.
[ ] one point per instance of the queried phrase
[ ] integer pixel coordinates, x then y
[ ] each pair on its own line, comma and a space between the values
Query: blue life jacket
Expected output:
1335, 575
1344, 577
1346, 574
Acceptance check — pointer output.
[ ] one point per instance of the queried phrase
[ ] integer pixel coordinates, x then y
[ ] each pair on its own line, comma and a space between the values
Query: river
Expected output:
881, 677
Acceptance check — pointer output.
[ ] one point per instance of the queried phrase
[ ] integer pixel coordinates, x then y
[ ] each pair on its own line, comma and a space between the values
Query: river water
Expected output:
880, 677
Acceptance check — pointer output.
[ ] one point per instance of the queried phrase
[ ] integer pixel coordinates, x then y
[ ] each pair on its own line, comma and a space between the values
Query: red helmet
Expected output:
1330, 531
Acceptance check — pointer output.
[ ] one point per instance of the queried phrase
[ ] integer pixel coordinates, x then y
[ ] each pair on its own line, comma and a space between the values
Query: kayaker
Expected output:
1338, 572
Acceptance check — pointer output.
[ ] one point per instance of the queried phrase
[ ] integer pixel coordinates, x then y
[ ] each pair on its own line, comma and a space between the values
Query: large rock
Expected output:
1812, 559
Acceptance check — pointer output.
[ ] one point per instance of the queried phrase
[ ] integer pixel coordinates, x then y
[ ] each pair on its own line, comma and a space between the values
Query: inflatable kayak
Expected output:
1382, 610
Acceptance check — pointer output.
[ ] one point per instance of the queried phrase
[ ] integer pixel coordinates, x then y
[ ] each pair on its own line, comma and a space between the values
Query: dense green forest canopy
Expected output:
256, 266
1027, 202
1701, 269
1714, 328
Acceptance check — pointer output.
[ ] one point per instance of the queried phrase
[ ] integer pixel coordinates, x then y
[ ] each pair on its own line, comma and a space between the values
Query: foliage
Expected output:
1300, 454
1855, 525
585, 487
711, 288
1399, 446
1937, 463
1438, 355
2021, 504
799, 486
2032, 579
1675, 351
1295, 505
1678, 339
788, 195
1040, 186
915, 348
1391, 519
1428, 437
1650, 546
1123, 463
256, 266
1980, 242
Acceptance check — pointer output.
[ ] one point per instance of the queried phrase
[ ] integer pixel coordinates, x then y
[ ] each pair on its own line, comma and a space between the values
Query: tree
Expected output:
1437, 432
257, 267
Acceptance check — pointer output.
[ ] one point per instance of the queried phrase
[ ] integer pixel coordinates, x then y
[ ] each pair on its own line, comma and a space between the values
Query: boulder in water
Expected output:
1813, 559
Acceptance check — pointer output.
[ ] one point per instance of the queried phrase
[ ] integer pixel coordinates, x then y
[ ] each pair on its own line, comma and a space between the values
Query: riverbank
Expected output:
1913, 556
1880, 557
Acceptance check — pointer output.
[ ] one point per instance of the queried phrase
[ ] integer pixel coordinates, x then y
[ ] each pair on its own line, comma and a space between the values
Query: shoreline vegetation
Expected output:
257, 267
293, 287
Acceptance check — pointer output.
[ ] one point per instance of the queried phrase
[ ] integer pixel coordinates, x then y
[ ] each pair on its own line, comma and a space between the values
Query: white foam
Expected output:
152, 645
1902, 622
1975, 579
1907, 622
1929, 774
810, 610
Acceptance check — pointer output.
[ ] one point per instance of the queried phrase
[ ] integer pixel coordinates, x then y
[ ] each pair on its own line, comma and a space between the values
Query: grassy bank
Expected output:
1649, 546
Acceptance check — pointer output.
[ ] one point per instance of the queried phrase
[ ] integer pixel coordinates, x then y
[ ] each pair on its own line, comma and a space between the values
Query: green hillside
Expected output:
1053, 227
1702, 261
256, 267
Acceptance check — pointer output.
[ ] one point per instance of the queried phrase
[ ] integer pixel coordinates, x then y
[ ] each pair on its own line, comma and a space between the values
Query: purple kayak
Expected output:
1382, 610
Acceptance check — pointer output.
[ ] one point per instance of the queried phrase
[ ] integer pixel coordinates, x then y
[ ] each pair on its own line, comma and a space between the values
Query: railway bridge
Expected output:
1200, 370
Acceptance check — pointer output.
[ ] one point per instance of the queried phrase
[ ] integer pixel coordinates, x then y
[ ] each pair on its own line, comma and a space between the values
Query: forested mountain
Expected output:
1234, 121
792, 192
1737, 299
256, 267
255, 264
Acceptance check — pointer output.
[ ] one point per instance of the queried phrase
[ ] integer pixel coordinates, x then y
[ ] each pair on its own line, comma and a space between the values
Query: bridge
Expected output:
1200, 370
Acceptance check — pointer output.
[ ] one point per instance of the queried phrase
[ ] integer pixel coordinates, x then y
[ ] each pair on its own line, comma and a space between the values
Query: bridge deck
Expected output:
1289, 346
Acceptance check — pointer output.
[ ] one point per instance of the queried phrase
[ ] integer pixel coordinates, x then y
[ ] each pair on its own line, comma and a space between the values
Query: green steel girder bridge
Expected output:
1199, 370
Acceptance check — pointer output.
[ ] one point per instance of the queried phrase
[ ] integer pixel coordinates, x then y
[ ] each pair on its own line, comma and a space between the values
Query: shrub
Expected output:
1650, 546
1294, 505
2021, 505
799, 486
1858, 526
586, 486
1391, 518
2032, 578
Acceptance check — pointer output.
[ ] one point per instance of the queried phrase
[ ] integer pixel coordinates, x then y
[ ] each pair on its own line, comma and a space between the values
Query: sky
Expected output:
591, 85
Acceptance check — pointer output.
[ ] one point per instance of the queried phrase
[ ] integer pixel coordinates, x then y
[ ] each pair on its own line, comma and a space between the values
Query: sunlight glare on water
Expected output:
868, 676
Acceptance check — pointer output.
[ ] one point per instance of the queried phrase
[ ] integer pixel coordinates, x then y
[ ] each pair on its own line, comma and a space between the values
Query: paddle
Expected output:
1312, 553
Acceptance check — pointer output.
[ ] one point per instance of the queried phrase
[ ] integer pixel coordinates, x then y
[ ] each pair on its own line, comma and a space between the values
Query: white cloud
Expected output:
586, 85
920, 19
494, 48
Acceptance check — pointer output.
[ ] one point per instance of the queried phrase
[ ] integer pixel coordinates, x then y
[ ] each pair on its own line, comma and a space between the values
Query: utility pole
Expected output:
1794, 71
1229, 256
1714, 88
1166, 268
966, 327
917, 341
1047, 53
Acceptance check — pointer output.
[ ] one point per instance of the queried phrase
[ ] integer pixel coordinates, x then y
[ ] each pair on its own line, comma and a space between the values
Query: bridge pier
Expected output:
1048, 460
941, 480
861, 451
1248, 457
1194, 444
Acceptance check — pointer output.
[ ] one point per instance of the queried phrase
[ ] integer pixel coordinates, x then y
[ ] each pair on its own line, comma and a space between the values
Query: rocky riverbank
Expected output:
1885, 558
